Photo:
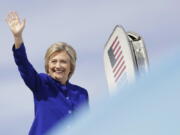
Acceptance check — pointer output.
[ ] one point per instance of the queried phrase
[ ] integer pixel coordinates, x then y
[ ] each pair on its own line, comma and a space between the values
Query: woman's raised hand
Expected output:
15, 24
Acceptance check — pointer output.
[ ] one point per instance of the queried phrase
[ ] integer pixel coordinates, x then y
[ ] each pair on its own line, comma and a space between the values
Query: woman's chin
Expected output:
58, 78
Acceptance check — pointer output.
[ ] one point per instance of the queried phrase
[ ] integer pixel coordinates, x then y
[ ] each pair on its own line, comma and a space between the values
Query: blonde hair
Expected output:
58, 47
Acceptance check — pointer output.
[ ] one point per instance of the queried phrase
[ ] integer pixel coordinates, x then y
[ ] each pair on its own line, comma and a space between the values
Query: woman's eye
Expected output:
64, 61
53, 61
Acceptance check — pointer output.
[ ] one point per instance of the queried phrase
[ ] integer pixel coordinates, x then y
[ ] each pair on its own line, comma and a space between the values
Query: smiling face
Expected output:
59, 66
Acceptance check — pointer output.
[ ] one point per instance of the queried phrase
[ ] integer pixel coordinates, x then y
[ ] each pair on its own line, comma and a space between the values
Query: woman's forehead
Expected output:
60, 54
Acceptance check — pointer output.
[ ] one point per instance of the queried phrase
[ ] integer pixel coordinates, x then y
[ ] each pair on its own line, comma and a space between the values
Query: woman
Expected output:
55, 98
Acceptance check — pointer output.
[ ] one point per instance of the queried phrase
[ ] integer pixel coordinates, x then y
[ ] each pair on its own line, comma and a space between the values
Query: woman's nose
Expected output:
58, 65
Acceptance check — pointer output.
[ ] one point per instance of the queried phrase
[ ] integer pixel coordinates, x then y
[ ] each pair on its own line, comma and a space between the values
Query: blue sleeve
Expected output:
27, 72
84, 98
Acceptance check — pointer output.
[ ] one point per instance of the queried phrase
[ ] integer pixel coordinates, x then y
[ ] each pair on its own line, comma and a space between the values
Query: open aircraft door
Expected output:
125, 58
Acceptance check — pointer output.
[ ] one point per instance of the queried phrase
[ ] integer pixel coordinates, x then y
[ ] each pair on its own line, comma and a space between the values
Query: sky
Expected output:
86, 25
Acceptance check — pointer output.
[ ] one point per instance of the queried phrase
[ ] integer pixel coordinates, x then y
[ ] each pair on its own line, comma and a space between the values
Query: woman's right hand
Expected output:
15, 24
